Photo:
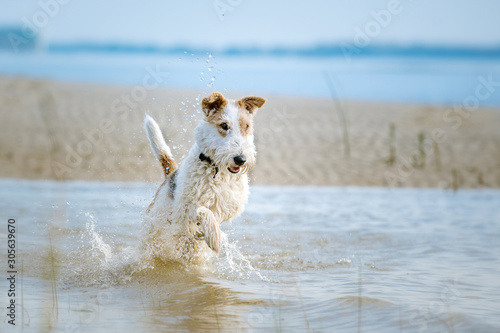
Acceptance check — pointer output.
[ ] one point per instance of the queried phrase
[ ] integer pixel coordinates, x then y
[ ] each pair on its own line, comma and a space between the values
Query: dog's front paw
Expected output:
209, 229
213, 238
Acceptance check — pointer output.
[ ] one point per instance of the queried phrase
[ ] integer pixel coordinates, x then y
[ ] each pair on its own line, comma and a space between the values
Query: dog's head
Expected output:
226, 132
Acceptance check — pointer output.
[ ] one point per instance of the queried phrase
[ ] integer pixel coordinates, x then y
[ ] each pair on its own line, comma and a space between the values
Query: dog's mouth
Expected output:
234, 169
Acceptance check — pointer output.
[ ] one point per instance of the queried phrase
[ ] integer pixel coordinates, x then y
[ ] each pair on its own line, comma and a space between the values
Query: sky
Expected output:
260, 23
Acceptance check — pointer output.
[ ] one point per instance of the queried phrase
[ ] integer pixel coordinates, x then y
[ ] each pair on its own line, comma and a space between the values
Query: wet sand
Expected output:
69, 131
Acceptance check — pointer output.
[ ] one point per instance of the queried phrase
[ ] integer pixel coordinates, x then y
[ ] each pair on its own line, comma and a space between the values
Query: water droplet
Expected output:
212, 81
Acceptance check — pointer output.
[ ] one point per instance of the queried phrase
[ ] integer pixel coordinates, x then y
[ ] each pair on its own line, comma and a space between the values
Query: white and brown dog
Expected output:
211, 184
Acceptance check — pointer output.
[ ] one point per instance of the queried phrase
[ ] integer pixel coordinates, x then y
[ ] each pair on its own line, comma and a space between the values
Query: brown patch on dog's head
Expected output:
248, 108
251, 104
213, 107
213, 104
246, 122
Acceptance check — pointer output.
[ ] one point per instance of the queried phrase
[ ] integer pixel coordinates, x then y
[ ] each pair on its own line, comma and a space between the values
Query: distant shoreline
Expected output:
327, 50
345, 48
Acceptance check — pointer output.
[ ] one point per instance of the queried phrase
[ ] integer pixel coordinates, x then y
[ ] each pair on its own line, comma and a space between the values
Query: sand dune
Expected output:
67, 131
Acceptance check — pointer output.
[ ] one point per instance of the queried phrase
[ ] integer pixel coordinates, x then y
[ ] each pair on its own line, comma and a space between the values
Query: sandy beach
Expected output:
69, 131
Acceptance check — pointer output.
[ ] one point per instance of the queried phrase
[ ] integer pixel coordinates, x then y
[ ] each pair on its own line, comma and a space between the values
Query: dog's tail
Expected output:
160, 148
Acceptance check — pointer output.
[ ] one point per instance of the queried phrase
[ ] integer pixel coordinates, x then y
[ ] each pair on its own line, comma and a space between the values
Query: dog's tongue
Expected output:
234, 169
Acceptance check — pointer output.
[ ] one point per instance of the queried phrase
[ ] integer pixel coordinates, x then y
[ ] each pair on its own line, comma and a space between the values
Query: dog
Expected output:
210, 186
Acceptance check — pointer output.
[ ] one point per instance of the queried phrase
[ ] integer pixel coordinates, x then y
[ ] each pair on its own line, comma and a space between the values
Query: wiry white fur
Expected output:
155, 137
182, 224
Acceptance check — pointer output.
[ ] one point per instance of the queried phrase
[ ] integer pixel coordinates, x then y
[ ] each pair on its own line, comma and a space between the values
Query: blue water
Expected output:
299, 259
428, 80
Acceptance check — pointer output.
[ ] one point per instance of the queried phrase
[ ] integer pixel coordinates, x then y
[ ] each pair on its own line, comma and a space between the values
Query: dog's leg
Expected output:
160, 148
206, 219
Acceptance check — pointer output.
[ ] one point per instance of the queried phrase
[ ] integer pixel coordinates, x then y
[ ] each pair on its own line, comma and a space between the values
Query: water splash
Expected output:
97, 262
102, 260
98, 245
232, 263
209, 67
344, 261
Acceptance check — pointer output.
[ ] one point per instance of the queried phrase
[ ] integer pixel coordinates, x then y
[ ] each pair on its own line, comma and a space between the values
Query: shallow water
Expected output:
299, 259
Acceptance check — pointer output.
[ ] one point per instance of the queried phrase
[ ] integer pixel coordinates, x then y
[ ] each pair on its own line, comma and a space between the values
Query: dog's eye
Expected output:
224, 126
248, 126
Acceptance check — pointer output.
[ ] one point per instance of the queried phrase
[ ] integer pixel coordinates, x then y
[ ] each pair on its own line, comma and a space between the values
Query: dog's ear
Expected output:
252, 103
213, 103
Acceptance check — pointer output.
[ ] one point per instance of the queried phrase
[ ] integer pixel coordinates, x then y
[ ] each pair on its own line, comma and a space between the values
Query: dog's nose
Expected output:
240, 160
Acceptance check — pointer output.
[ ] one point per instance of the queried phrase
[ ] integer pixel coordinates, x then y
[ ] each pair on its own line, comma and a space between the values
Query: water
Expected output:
394, 79
299, 259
